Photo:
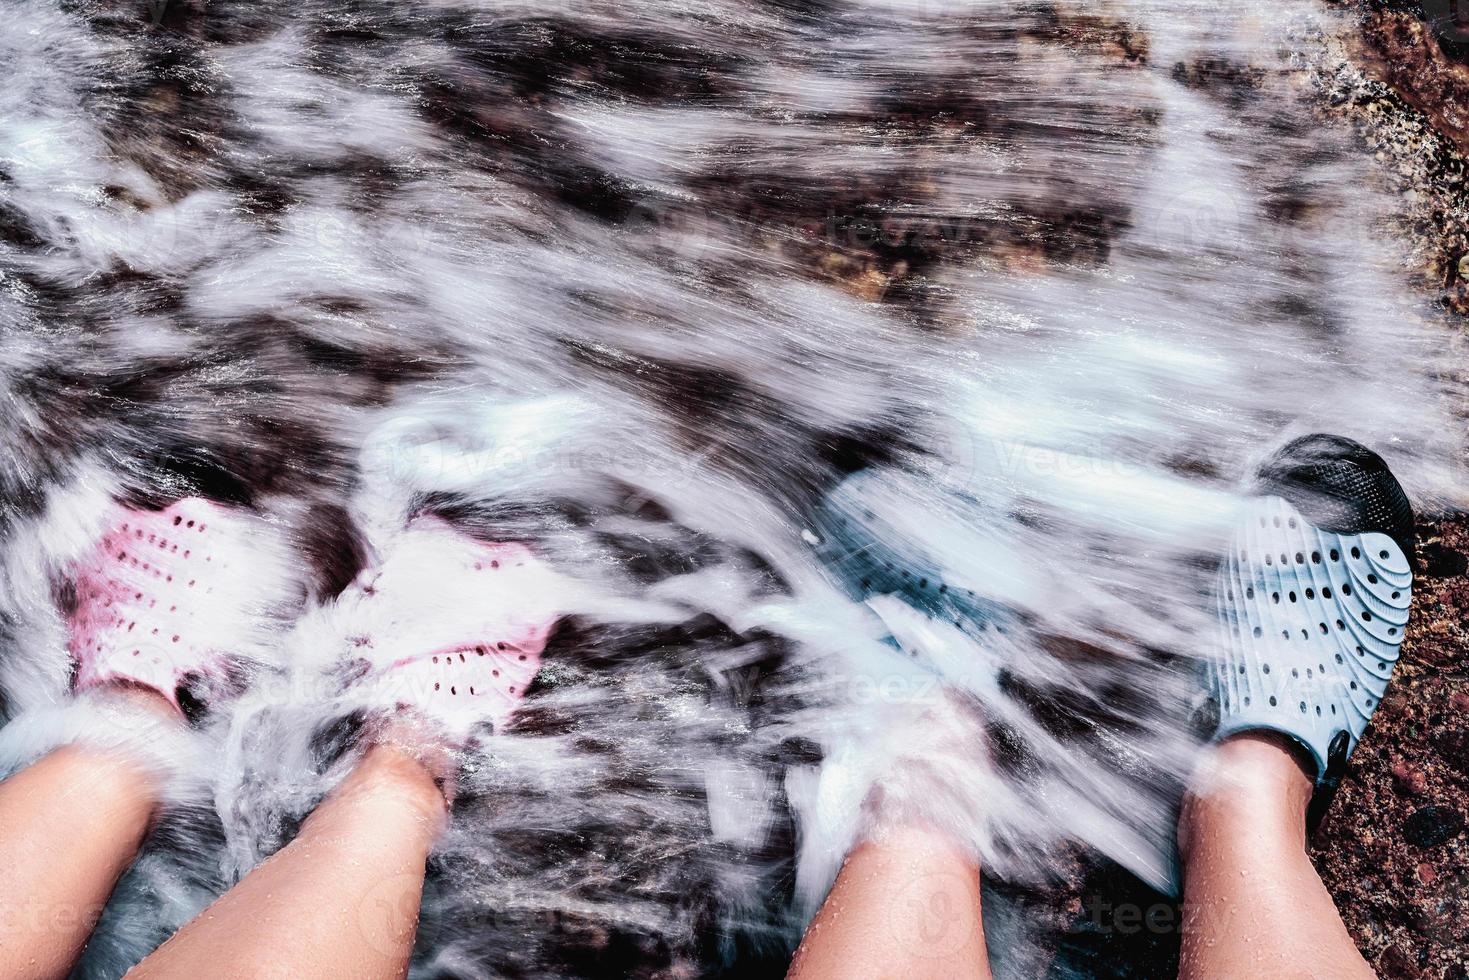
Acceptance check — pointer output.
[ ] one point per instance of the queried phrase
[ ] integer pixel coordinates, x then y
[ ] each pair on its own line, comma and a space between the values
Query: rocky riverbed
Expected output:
1393, 850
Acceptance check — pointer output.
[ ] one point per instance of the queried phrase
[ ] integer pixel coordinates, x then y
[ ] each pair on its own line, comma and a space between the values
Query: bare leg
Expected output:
1253, 904
70, 824
341, 900
904, 907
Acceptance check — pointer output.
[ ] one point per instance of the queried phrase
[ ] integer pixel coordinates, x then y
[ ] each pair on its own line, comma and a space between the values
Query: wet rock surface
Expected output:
1393, 849
1403, 84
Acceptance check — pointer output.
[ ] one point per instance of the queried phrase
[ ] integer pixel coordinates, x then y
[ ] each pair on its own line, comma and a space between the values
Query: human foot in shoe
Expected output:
174, 596
1313, 600
450, 628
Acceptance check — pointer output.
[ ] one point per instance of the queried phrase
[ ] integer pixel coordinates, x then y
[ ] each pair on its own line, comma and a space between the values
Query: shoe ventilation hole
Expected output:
1356, 552
1366, 616
1247, 700
1325, 592
1372, 578
1369, 702
1323, 628
1257, 636
1241, 668
1291, 596
1315, 557
1397, 595
1310, 593
1300, 558
1318, 711
1269, 560
1266, 668
1272, 700
1284, 560
1335, 556
1294, 672
1346, 590
1250, 592
436, 685
1340, 625
1353, 685
1275, 597
1333, 709
1303, 707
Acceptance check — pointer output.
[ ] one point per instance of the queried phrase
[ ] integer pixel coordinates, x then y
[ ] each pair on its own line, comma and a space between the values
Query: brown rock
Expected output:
1408, 780
1398, 964
1413, 62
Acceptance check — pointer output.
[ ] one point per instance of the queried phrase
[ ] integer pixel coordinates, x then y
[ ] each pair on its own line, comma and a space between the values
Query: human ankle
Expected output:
1251, 783
393, 773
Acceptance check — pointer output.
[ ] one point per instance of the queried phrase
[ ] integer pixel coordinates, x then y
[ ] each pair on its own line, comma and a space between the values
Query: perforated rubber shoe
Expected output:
175, 595
1313, 600
450, 628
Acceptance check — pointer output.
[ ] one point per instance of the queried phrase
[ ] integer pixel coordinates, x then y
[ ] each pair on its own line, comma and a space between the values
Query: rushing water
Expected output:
639, 283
